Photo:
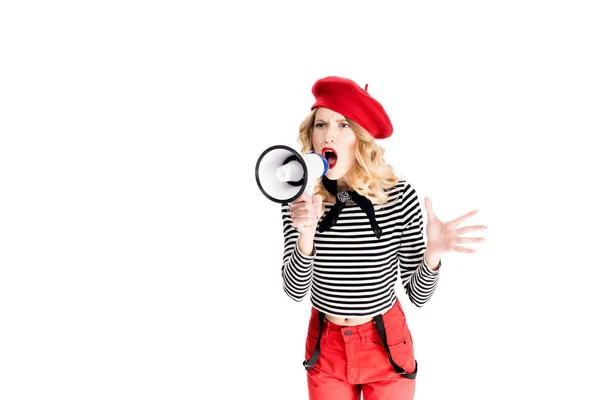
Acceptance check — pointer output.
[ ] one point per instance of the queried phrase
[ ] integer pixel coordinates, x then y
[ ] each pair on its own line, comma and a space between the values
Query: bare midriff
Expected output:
348, 321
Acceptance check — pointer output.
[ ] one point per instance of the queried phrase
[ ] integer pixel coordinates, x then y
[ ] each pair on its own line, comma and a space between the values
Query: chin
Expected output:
334, 174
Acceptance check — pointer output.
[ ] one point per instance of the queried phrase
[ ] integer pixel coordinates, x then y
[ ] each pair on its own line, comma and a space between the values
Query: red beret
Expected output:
347, 98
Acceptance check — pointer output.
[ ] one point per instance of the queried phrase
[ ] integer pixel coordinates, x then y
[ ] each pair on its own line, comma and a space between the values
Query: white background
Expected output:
139, 260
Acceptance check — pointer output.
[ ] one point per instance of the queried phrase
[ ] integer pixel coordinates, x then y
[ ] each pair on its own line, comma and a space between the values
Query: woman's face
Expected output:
333, 138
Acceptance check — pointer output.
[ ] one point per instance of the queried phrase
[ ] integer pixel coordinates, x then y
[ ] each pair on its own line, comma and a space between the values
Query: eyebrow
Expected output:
339, 120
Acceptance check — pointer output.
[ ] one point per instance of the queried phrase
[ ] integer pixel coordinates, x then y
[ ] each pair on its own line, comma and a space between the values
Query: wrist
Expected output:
432, 259
306, 237
306, 244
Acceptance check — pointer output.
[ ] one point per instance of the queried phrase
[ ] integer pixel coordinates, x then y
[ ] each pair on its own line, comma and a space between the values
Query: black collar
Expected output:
342, 197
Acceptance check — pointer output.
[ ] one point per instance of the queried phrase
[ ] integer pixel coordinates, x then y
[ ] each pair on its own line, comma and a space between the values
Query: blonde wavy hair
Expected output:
370, 176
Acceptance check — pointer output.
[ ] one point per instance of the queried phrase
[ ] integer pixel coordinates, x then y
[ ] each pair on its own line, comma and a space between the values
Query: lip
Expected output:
326, 149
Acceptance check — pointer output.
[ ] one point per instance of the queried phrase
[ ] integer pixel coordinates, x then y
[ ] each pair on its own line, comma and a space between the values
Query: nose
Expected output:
329, 135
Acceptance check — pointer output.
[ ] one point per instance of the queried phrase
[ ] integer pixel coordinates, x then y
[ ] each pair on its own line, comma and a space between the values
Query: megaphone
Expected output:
283, 174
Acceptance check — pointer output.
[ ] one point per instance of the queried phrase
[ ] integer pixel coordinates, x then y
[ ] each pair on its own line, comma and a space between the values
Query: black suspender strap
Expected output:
308, 364
381, 330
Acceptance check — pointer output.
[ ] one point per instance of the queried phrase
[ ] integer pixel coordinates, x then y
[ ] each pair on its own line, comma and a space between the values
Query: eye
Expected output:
345, 125
319, 125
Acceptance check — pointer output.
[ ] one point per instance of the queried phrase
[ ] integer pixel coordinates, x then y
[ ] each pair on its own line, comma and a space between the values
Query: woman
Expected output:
349, 243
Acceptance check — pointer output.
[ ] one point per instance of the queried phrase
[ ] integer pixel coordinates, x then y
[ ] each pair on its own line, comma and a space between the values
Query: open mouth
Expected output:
330, 155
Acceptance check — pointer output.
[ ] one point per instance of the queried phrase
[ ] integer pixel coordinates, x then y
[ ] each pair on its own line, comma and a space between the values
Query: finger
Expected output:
469, 240
302, 205
462, 218
305, 214
429, 209
461, 249
305, 197
468, 229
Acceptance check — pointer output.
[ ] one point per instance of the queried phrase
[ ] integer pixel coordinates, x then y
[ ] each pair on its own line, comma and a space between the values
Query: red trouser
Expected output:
353, 359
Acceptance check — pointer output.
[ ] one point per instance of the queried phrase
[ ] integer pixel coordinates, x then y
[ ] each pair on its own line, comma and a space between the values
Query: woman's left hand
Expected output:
444, 237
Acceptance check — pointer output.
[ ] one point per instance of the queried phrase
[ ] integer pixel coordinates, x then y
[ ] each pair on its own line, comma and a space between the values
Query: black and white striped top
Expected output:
353, 274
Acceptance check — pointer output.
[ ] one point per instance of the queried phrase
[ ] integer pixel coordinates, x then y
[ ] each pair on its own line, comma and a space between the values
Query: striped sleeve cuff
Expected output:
424, 282
430, 272
297, 273
301, 260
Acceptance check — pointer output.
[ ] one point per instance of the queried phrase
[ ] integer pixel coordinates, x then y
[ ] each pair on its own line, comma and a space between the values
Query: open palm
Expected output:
444, 237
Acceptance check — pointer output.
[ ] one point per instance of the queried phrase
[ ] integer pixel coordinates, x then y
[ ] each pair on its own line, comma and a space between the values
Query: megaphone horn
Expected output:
283, 174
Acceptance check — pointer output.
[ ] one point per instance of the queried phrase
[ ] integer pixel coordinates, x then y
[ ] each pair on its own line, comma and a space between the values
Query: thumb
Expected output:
429, 208
318, 204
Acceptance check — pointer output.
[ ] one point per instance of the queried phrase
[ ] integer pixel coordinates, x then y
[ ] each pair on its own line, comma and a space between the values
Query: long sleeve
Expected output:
297, 268
418, 280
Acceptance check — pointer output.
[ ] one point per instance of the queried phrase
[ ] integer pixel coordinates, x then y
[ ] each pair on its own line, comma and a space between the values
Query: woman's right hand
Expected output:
305, 212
